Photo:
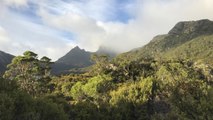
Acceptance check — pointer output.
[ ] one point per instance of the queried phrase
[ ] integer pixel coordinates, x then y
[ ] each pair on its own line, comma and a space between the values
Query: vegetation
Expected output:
143, 89
32, 75
168, 81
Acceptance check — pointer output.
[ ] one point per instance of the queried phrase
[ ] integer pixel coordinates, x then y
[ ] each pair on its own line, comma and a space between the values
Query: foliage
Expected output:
136, 92
101, 64
95, 90
31, 74
6, 107
169, 79
17, 105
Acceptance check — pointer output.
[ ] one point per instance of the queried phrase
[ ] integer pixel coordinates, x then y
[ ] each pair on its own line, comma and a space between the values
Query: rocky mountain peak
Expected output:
77, 49
204, 26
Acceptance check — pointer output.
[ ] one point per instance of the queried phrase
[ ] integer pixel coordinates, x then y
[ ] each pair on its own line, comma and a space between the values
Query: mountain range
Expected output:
187, 39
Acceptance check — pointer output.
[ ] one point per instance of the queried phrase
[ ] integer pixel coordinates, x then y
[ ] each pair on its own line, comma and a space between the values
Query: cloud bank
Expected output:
53, 27
16, 3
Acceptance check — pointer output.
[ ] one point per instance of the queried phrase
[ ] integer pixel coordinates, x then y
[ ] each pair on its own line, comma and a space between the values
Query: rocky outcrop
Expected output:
199, 27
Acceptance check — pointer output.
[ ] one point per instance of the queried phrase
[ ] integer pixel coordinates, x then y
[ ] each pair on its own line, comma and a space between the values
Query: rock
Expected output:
204, 26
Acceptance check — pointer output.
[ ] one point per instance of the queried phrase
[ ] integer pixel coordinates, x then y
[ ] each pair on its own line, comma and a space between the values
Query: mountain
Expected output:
188, 39
78, 58
5, 59
75, 58
156, 81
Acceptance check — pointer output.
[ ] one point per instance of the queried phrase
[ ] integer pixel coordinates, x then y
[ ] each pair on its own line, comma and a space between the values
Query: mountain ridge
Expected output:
5, 59
180, 34
204, 26
78, 58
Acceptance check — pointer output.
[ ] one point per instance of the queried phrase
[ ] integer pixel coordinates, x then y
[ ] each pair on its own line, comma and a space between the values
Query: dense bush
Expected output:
144, 89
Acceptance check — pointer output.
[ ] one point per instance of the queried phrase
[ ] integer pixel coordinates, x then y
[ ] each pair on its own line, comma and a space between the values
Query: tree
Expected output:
31, 74
101, 63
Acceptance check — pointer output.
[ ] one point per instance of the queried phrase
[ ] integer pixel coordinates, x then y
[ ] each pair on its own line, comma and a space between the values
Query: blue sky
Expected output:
53, 27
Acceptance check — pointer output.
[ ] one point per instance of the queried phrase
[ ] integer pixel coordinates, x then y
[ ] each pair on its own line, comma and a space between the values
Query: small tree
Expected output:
31, 74
101, 63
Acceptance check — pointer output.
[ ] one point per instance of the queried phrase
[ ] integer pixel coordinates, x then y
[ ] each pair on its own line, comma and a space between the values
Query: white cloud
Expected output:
95, 9
3, 35
20, 35
91, 23
89, 34
16, 3
152, 17
4, 38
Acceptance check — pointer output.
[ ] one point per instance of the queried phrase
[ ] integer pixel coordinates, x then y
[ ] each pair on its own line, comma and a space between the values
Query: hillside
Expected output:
5, 59
198, 49
196, 34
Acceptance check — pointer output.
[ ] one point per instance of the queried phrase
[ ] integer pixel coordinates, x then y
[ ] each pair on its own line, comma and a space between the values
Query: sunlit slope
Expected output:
200, 48
191, 40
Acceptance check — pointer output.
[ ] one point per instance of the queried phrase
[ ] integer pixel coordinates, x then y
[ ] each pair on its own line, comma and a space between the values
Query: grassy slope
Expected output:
200, 48
189, 39
174, 46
